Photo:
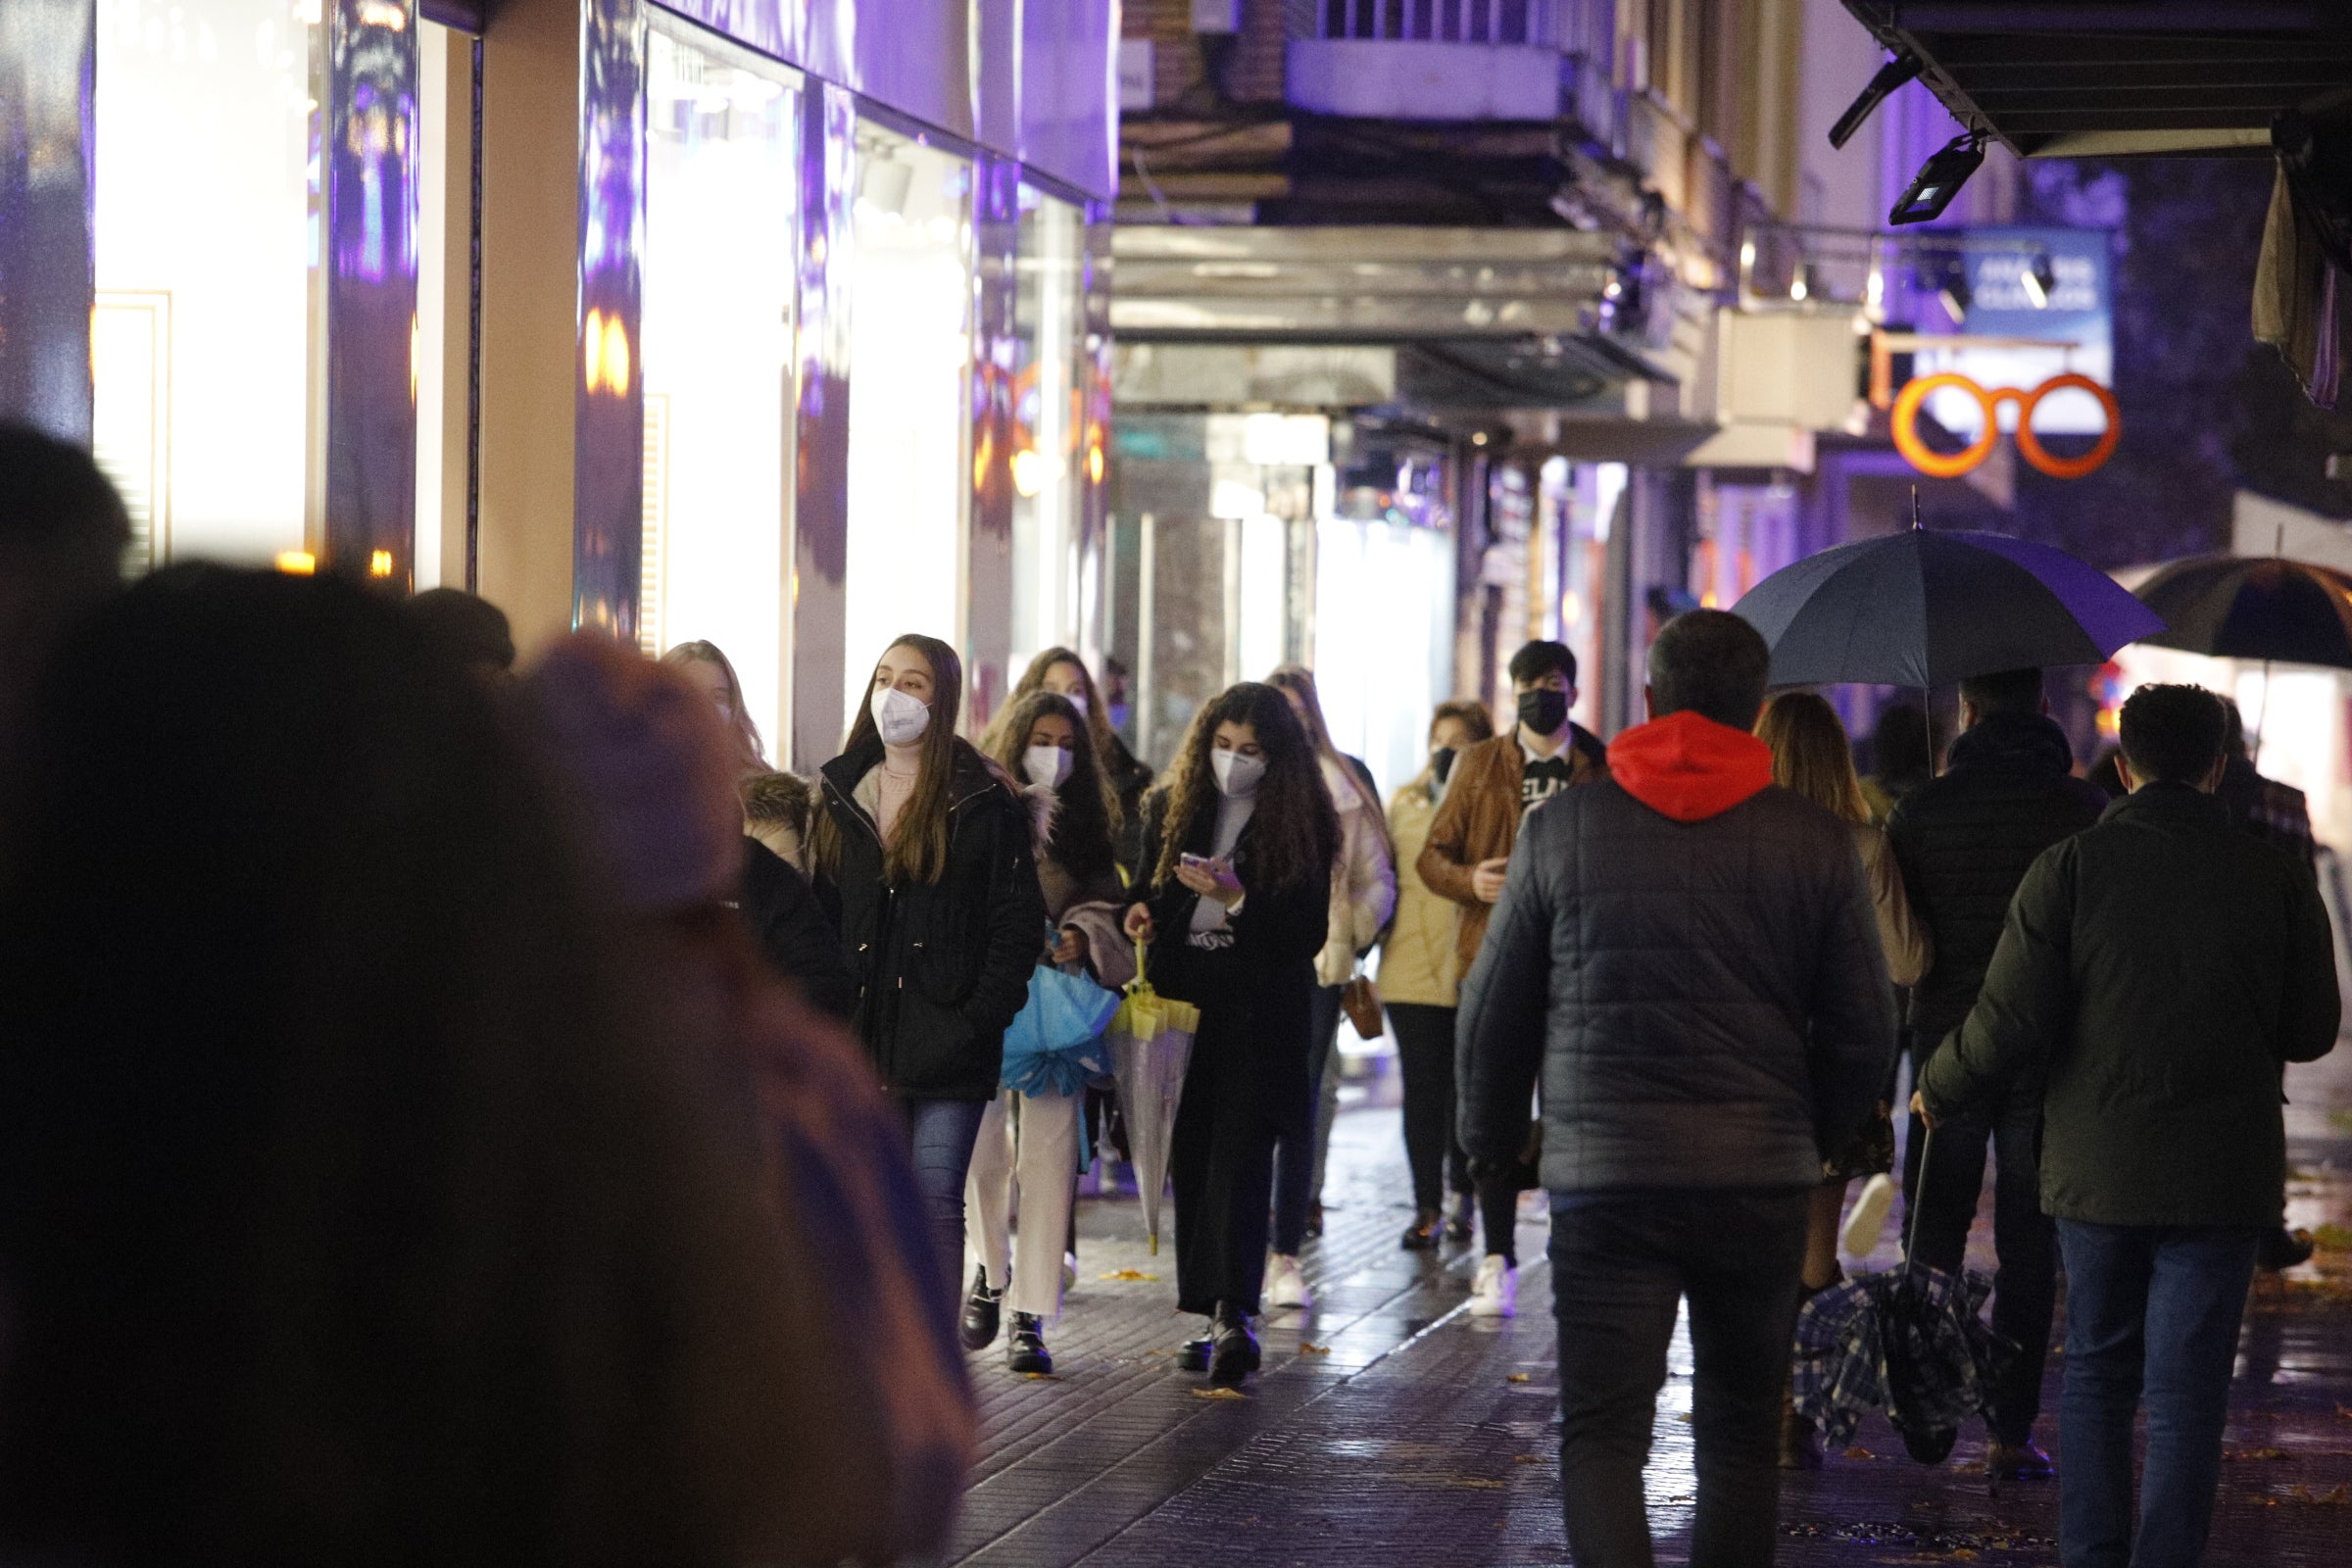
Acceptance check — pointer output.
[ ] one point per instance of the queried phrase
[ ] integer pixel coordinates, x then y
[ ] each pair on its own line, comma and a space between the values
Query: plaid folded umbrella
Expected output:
1909, 1342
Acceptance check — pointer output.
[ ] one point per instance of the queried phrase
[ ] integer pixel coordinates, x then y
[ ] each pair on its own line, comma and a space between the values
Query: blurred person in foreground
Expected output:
1812, 755
1687, 956
468, 629
1965, 841
63, 531
1420, 981
361, 1198
2156, 974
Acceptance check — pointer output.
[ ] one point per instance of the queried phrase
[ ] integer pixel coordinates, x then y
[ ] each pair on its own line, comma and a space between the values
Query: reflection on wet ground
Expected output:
1389, 1428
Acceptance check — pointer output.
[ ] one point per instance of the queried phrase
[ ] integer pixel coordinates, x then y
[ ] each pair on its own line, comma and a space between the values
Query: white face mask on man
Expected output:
1238, 774
901, 718
1046, 765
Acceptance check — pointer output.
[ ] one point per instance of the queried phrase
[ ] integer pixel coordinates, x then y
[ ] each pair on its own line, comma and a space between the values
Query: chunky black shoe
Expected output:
1233, 1348
1458, 1224
1025, 1346
1421, 1236
980, 1314
1194, 1358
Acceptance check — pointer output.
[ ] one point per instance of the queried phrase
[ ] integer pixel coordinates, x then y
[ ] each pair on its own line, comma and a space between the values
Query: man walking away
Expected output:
1495, 785
1690, 957
1963, 842
2158, 971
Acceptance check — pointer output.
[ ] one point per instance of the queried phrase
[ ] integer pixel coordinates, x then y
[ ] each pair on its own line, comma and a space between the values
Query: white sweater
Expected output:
1364, 884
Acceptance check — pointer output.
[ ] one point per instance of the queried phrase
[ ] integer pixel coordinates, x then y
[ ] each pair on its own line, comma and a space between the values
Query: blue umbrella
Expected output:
1921, 609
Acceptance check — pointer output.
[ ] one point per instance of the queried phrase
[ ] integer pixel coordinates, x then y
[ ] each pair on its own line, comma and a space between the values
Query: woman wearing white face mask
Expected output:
1063, 671
923, 855
1236, 888
1032, 1140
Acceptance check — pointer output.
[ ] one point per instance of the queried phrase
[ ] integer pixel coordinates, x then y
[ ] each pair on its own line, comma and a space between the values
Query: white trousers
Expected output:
1032, 1142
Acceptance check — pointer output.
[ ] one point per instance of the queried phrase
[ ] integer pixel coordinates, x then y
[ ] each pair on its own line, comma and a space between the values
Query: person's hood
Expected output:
1688, 767
2024, 743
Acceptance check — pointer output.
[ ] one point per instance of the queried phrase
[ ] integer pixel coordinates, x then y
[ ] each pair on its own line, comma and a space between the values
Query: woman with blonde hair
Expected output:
711, 673
1812, 755
1363, 899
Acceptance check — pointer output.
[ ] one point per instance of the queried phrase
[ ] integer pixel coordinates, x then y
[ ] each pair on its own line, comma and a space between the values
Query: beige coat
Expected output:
1418, 963
1909, 949
1364, 884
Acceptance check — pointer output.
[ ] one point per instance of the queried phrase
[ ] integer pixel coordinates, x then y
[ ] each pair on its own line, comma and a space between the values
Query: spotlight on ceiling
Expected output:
1939, 179
2037, 281
1892, 75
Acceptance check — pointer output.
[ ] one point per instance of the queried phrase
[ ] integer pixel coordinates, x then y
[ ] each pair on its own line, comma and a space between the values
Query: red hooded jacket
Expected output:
1688, 767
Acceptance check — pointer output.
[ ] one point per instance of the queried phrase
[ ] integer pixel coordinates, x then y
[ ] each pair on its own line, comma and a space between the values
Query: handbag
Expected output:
1359, 999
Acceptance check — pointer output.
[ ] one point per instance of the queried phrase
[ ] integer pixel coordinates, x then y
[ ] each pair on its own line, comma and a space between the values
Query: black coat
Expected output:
2161, 969
1130, 779
1707, 1002
791, 926
1965, 840
941, 967
1255, 991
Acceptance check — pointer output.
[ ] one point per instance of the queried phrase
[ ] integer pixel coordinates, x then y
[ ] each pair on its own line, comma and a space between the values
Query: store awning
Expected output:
2089, 79
1472, 317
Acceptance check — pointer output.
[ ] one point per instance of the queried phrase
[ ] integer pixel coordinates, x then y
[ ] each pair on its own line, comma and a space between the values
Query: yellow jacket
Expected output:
1418, 962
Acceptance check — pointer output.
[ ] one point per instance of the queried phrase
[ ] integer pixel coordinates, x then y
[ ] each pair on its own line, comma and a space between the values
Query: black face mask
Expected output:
1542, 710
1440, 763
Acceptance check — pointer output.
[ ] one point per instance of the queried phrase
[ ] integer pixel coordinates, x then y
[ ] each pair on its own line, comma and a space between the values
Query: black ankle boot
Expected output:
980, 1313
1194, 1356
1421, 1236
1025, 1346
1233, 1348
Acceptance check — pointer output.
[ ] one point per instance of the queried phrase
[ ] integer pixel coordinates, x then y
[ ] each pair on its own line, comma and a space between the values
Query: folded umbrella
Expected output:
1150, 1044
1055, 1045
1921, 609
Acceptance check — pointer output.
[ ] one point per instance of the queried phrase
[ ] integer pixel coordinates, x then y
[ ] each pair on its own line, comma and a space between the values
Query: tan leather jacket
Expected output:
1478, 820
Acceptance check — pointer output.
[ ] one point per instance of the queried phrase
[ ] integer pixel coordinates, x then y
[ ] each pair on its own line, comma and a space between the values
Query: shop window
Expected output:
1048, 426
911, 348
721, 211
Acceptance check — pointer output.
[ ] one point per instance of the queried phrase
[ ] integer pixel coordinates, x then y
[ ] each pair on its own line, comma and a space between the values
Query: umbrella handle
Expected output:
1139, 949
1926, 1149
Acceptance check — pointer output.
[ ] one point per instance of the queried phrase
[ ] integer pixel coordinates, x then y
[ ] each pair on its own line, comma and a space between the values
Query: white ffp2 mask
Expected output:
1238, 775
901, 718
1046, 765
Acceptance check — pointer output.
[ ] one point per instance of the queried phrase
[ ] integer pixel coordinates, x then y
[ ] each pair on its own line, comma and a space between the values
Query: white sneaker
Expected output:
1069, 1271
1495, 1292
1286, 1286
1868, 1220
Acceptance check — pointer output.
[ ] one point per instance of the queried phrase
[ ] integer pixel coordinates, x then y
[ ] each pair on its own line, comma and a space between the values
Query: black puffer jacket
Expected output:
2160, 968
941, 967
1965, 840
1706, 999
791, 926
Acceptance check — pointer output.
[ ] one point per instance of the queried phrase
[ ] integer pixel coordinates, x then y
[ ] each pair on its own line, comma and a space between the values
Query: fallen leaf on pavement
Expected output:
1219, 1393
1127, 1274
1306, 1348
1516, 1377
1857, 1451
2254, 1453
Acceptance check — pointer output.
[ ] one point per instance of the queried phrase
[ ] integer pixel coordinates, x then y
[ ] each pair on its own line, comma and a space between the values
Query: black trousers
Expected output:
1425, 1055
2025, 1239
1620, 1262
1221, 1166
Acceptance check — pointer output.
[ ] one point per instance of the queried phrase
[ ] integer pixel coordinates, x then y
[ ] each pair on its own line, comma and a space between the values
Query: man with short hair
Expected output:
2156, 974
1689, 957
63, 531
1963, 841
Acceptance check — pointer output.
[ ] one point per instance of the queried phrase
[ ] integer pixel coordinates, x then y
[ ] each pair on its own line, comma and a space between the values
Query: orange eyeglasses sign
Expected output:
1951, 465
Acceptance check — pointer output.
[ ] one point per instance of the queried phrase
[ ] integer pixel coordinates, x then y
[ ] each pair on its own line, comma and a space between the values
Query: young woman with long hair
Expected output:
1363, 897
1812, 755
1234, 904
1061, 672
1420, 983
1033, 1140
713, 674
922, 852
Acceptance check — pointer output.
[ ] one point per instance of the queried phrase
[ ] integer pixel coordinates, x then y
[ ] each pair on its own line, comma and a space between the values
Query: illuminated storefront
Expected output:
728, 321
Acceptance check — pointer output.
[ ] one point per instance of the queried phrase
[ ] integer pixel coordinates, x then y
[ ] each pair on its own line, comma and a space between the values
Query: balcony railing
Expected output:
1488, 21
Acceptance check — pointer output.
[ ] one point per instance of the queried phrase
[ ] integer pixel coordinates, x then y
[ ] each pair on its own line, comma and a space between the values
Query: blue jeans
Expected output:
943, 1133
2150, 1310
1620, 1262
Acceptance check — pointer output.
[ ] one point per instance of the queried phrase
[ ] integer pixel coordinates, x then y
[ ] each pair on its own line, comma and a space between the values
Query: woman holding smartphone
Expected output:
1236, 902
922, 856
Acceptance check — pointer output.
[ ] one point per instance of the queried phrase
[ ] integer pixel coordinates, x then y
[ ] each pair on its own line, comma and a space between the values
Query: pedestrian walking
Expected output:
923, 857
359, 1203
1420, 981
1061, 672
1963, 841
63, 531
1031, 1140
1902, 757
2154, 974
1496, 783
1363, 900
1812, 755
714, 675
468, 629
1239, 843
1687, 957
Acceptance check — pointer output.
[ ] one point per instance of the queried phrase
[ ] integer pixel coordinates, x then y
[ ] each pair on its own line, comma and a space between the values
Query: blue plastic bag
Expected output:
1054, 1044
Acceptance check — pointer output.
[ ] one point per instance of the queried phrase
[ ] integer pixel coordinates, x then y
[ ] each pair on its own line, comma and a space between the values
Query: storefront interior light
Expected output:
297, 562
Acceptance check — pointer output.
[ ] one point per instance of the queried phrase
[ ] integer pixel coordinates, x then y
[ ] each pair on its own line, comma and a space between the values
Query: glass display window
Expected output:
1049, 425
910, 352
716, 333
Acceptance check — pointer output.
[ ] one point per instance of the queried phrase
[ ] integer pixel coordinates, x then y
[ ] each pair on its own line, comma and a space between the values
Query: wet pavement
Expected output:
1391, 1428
